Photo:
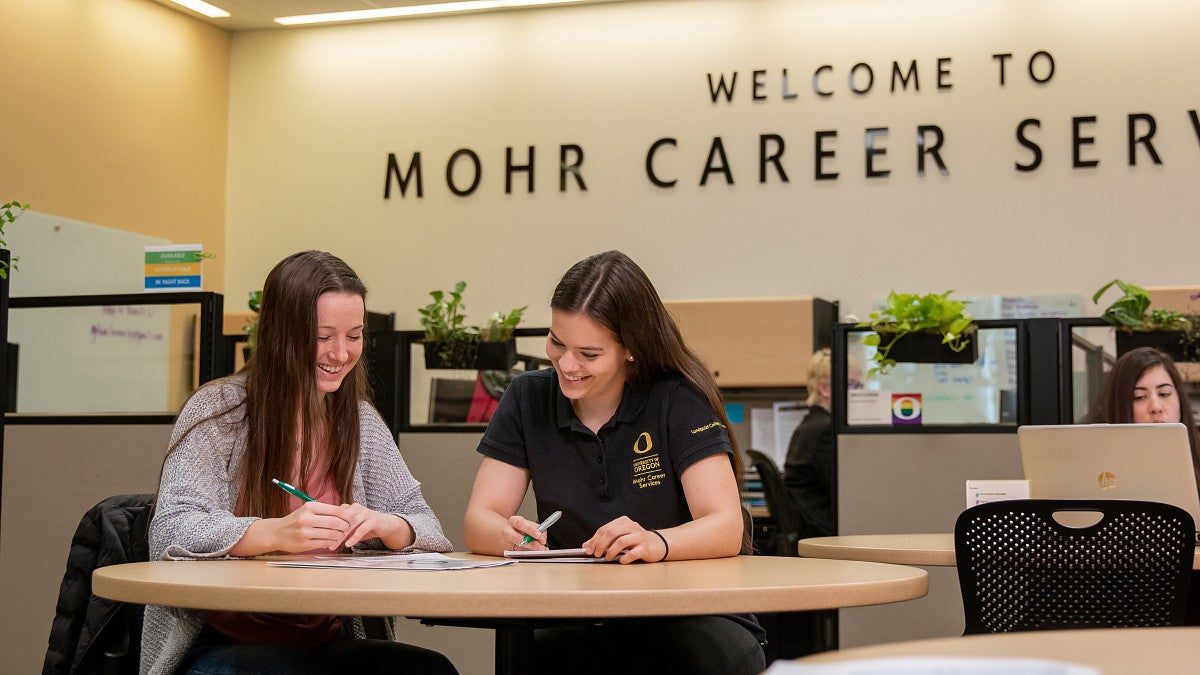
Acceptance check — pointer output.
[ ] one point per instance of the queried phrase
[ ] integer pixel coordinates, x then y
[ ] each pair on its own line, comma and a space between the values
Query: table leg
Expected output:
514, 650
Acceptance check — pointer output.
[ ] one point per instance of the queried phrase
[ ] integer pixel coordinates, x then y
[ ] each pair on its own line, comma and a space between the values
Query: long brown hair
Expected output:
1115, 405
611, 289
285, 413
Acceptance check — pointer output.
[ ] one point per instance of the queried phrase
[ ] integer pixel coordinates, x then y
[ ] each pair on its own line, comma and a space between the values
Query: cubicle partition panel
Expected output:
909, 440
77, 435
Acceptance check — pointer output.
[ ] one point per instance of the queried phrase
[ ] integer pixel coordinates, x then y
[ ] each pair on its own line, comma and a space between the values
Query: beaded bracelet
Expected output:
666, 546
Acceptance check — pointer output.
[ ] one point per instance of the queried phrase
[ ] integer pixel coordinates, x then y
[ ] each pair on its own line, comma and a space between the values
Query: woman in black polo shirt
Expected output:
627, 436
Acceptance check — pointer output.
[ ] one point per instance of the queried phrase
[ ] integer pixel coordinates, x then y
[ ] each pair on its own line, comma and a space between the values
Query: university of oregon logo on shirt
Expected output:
647, 469
643, 443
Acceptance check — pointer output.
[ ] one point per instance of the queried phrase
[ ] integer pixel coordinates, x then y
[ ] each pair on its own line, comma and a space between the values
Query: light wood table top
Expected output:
901, 549
1114, 651
523, 590
935, 550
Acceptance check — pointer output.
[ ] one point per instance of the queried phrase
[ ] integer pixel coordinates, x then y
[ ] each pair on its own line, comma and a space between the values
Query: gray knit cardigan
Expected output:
194, 515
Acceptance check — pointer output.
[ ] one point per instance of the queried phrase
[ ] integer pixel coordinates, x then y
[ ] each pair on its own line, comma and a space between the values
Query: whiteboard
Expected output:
86, 359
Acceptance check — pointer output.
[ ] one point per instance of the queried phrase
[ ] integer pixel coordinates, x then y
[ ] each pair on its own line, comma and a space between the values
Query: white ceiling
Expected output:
260, 14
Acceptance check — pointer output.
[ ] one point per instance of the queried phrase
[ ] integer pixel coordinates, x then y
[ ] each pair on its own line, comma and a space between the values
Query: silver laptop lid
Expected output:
1151, 462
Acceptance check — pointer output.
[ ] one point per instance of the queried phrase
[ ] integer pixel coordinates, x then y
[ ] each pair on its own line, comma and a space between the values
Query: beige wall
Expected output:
115, 113
130, 115
315, 112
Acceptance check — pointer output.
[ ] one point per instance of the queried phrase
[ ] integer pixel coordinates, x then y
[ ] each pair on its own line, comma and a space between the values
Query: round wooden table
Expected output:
930, 550
1114, 651
509, 598
901, 549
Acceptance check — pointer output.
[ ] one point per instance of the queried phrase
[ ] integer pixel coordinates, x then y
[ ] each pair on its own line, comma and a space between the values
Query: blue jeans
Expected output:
213, 654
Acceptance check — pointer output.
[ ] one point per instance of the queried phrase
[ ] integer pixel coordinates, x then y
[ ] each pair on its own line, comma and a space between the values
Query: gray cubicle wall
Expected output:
52, 475
913, 483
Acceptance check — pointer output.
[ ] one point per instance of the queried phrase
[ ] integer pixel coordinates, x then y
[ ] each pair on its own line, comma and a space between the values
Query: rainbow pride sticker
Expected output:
906, 409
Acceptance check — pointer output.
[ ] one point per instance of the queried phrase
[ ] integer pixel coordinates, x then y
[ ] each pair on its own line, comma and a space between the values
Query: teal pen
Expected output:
295, 492
545, 525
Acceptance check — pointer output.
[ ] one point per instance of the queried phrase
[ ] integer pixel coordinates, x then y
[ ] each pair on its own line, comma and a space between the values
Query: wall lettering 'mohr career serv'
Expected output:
763, 157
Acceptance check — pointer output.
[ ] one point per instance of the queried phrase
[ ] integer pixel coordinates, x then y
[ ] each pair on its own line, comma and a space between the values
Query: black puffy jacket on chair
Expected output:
92, 634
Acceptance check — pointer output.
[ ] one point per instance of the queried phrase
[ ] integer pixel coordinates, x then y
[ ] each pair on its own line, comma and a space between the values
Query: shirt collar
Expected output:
632, 401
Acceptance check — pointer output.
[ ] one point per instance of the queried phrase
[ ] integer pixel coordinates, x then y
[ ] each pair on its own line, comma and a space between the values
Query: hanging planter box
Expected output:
927, 348
472, 355
1172, 342
496, 355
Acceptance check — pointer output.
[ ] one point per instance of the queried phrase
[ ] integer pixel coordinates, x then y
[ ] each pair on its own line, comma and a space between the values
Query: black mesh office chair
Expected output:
1021, 569
787, 521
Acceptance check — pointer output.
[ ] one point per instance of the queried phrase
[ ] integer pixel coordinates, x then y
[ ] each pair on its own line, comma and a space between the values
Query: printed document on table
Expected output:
397, 561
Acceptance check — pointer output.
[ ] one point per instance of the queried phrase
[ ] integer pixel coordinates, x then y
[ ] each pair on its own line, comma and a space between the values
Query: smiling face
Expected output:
339, 338
589, 361
1154, 397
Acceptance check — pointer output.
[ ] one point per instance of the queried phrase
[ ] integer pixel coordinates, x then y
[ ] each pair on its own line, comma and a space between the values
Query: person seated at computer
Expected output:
628, 437
810, 469
1145, 386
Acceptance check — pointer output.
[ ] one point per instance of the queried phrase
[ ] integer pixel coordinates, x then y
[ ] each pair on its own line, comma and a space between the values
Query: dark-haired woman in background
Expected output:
627, 436
1144, 386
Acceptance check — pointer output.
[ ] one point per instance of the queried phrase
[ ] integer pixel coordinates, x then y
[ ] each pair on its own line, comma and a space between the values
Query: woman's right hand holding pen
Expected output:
314, 525
517, 529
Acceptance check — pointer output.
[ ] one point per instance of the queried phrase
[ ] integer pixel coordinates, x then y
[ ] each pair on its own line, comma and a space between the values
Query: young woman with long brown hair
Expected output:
1145, 386
299, 412
628, 437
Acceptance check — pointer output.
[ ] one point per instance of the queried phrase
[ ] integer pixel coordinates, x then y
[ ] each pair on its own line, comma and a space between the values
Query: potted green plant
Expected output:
496, 343
451, 343
1176, 333
931, 328
254, 302
8, 213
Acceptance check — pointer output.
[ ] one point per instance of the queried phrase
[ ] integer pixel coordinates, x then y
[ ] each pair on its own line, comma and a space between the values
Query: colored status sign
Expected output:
174, 268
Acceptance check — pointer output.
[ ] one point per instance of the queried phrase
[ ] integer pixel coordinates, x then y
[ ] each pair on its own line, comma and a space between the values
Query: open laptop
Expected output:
1152, 462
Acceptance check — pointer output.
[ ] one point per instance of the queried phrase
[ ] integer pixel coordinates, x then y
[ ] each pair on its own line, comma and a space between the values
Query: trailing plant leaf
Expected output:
443, 318
254, 302
500, 326
9, 212
1131, 312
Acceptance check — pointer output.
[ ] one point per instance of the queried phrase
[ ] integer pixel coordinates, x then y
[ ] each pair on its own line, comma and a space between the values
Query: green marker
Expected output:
295, 492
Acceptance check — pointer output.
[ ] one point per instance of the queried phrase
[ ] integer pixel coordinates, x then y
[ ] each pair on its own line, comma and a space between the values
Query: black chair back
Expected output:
91, 634
1019, 568
782, 512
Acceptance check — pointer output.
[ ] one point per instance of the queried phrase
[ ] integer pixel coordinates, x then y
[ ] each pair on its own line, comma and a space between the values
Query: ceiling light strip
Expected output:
414, 10
203, 8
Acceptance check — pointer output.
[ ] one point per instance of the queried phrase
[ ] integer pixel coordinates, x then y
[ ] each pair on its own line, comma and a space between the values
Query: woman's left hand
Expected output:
627, 540
365, 523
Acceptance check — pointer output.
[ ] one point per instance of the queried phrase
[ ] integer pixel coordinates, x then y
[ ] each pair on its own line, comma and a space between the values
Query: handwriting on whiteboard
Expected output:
123, 325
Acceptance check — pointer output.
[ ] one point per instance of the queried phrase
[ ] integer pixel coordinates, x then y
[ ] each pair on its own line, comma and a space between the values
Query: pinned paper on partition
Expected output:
868, 406
174, 268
